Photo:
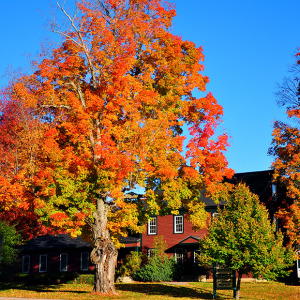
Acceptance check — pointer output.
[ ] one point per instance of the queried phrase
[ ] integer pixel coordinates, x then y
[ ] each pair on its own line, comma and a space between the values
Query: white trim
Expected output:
40, 269
178, 254
152, 226
81, 260
28, 268
196, 259
150, 252
178, 224
63, 268
298, 264
214, 215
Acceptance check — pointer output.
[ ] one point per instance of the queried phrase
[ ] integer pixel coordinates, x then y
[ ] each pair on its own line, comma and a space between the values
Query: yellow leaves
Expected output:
112, 108
197, 214
39, 203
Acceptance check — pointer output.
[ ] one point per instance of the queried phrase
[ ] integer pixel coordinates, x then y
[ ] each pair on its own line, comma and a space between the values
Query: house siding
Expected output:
53, 261
165, 228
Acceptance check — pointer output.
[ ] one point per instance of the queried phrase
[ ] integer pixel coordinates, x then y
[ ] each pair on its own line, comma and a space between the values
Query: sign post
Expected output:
223, 279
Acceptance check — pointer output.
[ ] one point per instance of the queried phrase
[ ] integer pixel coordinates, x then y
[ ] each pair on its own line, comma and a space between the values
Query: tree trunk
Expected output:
238, 286
104, 254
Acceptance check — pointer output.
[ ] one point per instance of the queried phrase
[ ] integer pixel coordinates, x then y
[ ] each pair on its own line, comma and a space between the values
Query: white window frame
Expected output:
23, 264
178, 224
178, 254
214, 215
61, 267
298, 263
81, 261
196, 259
40, 263
152, 226
150, 252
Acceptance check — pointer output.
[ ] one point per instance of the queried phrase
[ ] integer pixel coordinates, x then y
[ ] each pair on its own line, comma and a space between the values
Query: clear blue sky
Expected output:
248, 46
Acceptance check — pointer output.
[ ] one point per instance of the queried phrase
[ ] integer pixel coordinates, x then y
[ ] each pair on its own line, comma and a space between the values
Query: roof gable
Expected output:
190, 240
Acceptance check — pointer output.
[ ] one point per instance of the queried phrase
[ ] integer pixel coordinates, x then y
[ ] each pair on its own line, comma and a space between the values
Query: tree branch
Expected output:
83, 45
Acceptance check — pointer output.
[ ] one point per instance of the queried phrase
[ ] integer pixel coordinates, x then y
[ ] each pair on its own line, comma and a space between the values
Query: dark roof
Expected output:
129, 239
259, 182
60, 241
210, 202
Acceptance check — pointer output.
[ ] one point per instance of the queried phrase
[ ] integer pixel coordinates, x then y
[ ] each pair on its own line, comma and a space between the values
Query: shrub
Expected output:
131, 263
10, 239
157, 269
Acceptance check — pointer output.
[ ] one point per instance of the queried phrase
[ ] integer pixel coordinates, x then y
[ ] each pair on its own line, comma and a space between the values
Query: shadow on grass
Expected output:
44, 282
164, 290
24, 287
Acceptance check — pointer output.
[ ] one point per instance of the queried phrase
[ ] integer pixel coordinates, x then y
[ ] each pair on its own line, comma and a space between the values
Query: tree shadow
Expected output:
38, 283
34, 288
165, 290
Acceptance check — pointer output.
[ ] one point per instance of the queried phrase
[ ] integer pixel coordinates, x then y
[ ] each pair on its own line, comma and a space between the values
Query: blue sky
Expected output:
248, 46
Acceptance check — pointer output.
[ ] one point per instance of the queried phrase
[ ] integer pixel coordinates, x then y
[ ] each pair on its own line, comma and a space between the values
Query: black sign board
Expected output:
224, 279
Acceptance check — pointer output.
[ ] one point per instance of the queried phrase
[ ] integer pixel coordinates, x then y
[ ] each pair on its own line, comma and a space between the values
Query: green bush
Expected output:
84, 279
9, 251
10, 239
157, 269
131, 263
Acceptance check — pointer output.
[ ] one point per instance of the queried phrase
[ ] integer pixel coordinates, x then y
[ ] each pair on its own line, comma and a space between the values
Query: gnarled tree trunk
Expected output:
104, 254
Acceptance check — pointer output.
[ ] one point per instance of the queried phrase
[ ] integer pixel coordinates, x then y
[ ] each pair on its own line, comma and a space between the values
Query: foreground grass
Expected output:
151, 291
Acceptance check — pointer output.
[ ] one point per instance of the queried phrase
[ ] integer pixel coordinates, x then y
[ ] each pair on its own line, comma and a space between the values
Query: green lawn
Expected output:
151, 291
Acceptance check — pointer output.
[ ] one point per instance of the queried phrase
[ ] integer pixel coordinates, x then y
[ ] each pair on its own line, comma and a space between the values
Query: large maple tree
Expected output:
286, 149
117, 111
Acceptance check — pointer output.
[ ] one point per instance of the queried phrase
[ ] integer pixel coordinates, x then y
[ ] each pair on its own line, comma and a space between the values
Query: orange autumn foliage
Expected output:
112, 108
117, 107
286, 149
19, 143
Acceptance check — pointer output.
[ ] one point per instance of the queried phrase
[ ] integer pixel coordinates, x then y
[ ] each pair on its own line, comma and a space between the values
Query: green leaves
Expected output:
242, 238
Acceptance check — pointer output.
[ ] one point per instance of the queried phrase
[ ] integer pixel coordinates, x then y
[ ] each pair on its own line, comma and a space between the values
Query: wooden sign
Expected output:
224, 279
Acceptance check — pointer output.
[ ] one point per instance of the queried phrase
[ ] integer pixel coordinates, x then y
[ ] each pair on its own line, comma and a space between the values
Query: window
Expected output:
196, 256
150, 252
25, 264
63, 262
178, 224
298, 263
214, 215
152, 226
43, 263
179, 255
84, 261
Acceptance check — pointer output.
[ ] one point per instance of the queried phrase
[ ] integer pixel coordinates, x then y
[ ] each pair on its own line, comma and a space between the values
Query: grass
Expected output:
150, 291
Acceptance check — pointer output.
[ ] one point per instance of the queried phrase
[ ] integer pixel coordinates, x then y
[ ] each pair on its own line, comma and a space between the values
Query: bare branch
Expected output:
83, 45
79, 91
